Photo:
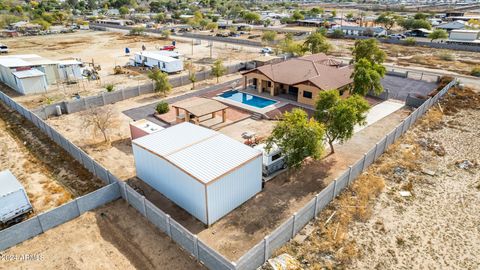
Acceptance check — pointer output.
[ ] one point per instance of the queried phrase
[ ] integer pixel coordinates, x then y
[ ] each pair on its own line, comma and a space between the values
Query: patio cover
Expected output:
200, 106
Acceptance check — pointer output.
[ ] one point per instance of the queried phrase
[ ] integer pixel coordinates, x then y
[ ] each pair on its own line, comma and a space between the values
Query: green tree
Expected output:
289, 46
368, 49
166, 34
269, 36
297, 16
420, 16
298, 137
334, 13
192, 74
160, 17
339, 116
251, 17
437, 34
123, 11
212, 26
317, 43
386, 19
218, 69
415, 24
367, 77
162, 85
337, 33
349, 16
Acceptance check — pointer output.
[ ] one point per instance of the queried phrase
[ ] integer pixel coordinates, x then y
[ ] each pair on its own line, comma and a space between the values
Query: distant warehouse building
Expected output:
205, 172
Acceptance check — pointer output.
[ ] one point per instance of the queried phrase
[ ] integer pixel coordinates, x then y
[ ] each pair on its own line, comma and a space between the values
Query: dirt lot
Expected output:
107, 50
434, 228
241, 229
50, 176
460, 62
116, 156
114, 236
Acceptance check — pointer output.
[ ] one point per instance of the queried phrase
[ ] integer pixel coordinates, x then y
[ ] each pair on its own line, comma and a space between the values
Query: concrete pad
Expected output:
380, 111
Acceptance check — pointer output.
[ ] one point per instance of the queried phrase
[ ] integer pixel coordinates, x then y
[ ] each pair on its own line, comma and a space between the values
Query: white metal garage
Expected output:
205, 172
30, 81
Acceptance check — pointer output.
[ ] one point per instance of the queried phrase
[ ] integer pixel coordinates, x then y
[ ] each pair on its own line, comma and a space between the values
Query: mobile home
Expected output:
153, 59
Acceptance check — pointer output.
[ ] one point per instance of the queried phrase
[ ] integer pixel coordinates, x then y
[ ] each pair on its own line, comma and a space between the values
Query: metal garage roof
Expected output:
174, 138
28, 73
8, 183
200, 152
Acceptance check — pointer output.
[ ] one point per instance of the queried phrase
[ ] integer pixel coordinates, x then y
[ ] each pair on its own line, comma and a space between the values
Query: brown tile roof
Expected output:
318, 69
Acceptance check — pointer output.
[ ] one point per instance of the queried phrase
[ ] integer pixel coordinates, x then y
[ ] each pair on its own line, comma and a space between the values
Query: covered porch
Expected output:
199, 110
262, 84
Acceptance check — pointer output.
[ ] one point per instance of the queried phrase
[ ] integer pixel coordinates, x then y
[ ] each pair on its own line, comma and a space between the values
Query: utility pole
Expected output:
211, 48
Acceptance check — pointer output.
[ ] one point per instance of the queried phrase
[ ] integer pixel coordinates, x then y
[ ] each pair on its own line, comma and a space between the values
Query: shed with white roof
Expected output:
205, 172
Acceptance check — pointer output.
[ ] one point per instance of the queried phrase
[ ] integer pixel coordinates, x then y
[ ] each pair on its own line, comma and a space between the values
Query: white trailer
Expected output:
155, 59
14, 203
272, 160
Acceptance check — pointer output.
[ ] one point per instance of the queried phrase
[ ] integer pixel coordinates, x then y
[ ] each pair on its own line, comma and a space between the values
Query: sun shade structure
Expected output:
205, 172
198, 107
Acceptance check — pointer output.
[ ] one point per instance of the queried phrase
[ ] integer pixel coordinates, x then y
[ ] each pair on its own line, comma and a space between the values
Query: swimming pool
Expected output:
248, 99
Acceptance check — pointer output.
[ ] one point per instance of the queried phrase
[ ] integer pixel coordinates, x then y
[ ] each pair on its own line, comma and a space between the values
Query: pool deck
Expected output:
280, 102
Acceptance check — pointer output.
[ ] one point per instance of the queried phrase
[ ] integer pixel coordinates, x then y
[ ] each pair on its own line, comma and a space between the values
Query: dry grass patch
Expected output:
329, 246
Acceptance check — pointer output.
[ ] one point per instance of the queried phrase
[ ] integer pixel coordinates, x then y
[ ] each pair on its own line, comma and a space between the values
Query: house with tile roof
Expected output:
300, 79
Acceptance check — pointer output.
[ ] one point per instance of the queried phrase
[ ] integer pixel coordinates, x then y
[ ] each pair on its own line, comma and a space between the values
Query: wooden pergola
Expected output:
199, 107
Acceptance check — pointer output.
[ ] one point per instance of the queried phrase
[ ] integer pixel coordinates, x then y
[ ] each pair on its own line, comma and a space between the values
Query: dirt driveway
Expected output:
114, 236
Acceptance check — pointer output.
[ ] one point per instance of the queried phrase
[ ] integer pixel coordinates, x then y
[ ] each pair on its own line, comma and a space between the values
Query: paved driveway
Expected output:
400, 87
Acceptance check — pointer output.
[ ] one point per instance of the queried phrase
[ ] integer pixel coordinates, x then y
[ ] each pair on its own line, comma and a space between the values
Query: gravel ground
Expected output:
439, 226
436, 227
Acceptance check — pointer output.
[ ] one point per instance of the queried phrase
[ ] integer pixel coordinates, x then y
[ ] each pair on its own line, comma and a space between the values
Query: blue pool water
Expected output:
248, 99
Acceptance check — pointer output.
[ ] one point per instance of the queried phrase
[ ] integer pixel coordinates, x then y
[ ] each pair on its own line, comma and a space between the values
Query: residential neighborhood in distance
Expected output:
239, 135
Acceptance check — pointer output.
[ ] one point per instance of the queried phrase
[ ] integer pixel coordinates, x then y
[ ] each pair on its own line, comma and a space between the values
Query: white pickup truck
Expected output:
14, 203
3, 48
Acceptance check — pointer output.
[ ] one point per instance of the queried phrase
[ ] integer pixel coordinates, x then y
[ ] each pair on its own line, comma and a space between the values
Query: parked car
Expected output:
3, 48
397, 36
168, 48
272, 160
266, 50
14, 203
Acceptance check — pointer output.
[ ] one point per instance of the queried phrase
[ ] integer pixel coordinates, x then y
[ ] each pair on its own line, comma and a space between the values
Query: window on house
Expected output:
269, 83
307, 94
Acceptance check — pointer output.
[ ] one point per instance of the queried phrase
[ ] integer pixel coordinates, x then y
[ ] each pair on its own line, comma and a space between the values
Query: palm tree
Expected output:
162, 85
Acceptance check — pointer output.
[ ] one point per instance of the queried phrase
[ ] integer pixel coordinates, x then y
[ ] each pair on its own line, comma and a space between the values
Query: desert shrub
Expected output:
446, 56
118, 70
137, 31
442, 82
475, 71
410, 41
110, 87
162, 107
337, 34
